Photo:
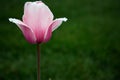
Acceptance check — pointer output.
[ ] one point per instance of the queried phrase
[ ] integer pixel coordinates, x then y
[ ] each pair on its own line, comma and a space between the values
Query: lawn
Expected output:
86, 47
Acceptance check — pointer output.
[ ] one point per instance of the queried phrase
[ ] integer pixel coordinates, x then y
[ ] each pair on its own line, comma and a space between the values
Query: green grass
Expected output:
86, 47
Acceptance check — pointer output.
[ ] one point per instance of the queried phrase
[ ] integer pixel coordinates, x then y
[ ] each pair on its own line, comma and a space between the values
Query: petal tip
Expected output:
65, 19
37, 2
10, 19
13, 20
16, 21
62, 19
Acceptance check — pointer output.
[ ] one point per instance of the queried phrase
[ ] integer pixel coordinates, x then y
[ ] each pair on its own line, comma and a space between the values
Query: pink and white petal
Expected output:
57, 22
37, 14
27, 32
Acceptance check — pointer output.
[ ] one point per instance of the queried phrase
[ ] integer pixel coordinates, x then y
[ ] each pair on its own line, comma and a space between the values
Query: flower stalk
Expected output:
38, 61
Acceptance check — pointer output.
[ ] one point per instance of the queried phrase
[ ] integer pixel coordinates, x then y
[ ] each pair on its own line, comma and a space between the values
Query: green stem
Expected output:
38, 61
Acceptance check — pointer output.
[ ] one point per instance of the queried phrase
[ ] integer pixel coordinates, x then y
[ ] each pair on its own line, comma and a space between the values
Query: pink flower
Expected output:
38, 24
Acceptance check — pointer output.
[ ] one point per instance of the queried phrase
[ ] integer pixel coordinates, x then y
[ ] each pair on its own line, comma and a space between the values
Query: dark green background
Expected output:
86, 47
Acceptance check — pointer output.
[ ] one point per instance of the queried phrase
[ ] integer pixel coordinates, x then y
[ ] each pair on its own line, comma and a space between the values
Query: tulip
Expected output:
38, 24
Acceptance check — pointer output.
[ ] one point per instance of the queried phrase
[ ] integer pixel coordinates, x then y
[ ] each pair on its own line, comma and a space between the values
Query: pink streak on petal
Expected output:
56, 23
38, 17
27, 32
39, 36
48, 34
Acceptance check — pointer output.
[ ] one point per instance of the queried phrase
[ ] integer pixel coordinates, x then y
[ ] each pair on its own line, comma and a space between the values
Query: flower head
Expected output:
38, 24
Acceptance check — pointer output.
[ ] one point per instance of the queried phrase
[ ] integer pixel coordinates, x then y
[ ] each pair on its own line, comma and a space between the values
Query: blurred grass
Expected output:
86, 47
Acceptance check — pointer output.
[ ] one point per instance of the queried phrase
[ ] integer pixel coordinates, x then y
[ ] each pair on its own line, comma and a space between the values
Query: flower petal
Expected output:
28, 33
56, 23
37, 15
